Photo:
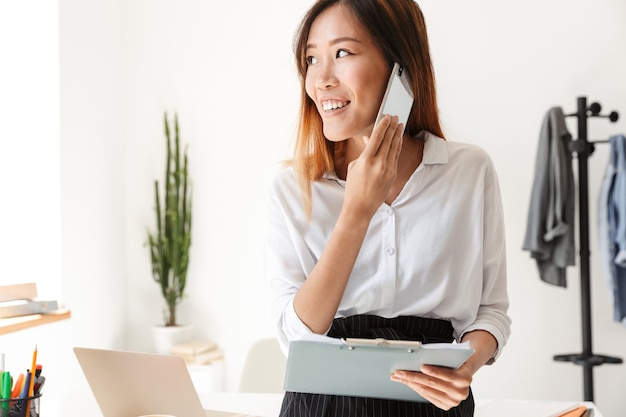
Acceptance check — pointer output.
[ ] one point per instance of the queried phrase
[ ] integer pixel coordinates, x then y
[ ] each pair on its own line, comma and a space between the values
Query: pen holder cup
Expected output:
17, 407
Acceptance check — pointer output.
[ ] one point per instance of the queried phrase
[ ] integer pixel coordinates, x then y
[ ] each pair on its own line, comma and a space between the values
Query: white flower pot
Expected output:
167, 336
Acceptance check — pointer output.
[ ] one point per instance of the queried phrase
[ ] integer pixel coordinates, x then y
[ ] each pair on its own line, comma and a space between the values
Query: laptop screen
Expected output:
129, 384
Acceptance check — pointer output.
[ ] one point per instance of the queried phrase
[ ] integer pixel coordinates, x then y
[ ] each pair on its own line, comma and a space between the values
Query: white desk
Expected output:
232, 404
520, 408
242, 404
268, 405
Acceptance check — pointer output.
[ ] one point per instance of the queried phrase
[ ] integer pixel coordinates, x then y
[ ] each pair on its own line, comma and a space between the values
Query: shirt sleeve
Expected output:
492, 315
287, 259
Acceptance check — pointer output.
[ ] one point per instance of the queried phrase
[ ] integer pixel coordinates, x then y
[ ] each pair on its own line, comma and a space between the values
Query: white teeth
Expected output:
333, 104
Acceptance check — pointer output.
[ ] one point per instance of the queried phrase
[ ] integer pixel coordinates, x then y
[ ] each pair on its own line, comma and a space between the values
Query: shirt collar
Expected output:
332, 175
435, 149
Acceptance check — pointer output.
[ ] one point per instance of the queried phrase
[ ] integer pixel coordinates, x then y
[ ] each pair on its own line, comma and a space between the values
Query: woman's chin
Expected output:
334, 139
342, 135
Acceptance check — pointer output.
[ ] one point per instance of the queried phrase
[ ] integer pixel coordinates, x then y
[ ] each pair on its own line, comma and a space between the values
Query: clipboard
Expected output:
362, 367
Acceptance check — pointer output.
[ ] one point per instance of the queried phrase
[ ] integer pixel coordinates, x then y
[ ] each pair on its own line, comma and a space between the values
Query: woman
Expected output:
383, 231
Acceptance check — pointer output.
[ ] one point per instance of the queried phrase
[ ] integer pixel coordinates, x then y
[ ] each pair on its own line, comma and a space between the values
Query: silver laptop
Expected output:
128, 384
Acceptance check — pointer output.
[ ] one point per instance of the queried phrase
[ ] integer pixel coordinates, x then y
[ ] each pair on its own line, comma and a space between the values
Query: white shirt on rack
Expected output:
438, 251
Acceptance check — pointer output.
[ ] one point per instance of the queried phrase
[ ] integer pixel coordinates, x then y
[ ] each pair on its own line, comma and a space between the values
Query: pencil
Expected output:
32, 371
32, 381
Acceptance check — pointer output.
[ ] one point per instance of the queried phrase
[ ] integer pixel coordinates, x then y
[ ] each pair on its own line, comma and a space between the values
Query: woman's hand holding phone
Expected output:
371, 176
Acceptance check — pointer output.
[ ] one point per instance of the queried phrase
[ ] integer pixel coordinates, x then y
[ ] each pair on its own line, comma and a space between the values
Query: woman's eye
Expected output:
342, 53
310, 60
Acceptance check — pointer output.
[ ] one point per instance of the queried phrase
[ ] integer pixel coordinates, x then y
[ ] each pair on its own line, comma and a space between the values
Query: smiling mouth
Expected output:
331, 105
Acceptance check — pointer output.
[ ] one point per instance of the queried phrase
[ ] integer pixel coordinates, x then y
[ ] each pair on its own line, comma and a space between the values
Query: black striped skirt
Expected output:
297, 404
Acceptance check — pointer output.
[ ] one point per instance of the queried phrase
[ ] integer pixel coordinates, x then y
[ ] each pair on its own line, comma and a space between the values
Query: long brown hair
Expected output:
399, 30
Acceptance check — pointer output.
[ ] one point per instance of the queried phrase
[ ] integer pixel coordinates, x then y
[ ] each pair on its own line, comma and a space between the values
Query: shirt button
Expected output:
388, 211
390, 251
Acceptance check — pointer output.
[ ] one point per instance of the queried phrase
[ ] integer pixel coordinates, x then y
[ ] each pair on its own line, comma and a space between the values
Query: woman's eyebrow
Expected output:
335, 41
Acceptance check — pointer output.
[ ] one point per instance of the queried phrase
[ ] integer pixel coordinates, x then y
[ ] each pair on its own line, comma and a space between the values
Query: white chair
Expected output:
264, 368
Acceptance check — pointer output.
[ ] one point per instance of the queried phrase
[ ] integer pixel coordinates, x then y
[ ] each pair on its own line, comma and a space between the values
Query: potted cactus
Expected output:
169, 244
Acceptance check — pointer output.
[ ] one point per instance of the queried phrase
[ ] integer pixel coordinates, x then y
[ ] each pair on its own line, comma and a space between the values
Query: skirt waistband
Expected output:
367, 326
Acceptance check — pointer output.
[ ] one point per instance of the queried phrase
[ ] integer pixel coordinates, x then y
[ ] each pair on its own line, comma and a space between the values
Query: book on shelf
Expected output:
204, 358
18, 292
16, 308
198, 352
193, 347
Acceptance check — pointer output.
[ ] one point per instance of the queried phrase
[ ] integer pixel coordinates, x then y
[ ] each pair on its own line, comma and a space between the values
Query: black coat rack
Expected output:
583, 148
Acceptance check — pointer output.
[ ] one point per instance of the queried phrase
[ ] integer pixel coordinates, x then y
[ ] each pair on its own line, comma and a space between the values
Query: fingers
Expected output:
391, 139
445, 388
371, 176
386, 137
396, 145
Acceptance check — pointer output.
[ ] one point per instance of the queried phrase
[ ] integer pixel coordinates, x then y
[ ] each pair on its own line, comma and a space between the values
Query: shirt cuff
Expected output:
620, 258
500, 337
292, 327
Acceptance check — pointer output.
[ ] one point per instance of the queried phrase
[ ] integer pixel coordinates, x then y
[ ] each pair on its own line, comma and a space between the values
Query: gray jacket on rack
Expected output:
550, 226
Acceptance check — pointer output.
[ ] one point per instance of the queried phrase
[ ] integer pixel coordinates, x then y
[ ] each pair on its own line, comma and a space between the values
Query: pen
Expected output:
6, 390
25, 385
39, 384
17, 388
31, 382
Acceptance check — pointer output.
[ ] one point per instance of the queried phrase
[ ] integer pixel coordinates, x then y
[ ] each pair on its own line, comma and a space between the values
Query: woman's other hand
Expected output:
444, 387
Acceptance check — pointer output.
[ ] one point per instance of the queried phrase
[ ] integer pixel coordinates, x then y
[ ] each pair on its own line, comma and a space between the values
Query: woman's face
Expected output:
347, 74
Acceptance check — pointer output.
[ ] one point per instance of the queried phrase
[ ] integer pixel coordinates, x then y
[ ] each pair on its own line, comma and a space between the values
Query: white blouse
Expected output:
438, 251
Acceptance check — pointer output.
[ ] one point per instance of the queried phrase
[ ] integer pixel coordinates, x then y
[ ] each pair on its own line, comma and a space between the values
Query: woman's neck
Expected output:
410, 157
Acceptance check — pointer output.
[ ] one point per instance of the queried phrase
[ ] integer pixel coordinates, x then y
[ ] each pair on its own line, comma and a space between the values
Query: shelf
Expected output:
13, 324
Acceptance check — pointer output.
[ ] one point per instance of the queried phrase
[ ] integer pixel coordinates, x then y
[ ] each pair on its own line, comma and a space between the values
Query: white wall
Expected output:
29, 143
500, 66
226, 68
228, 75
30, 206
93, 150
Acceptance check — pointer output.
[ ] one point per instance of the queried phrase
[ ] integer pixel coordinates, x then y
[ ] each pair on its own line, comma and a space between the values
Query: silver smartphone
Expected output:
398, 98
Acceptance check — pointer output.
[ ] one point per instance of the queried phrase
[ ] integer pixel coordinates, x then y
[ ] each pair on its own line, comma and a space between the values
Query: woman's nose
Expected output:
326, 77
